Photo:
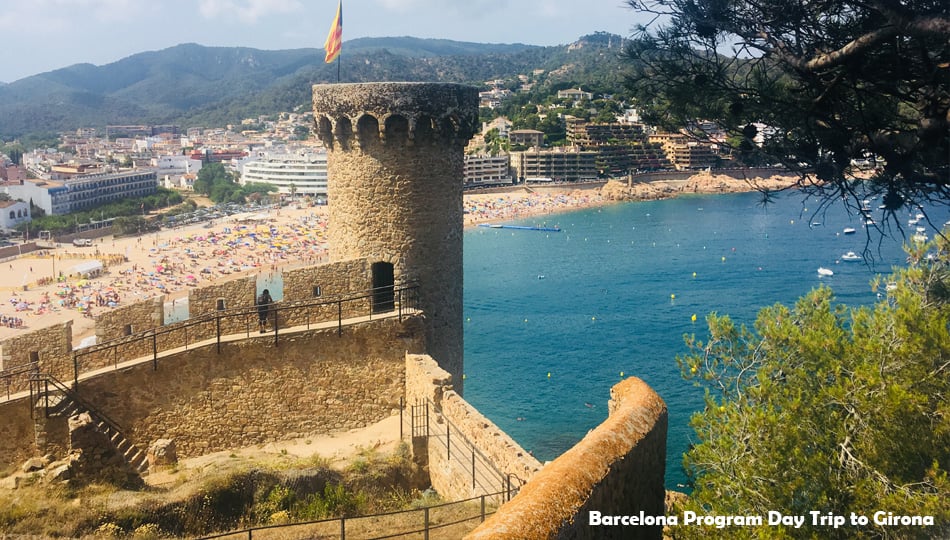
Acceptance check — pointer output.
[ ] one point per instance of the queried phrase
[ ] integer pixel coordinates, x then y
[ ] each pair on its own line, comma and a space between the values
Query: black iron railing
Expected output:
244, 320
381, 528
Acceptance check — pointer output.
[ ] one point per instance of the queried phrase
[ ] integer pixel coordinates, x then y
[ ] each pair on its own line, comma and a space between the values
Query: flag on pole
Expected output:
334, 41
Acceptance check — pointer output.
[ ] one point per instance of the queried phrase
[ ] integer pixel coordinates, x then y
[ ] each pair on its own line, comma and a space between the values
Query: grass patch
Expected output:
218, 497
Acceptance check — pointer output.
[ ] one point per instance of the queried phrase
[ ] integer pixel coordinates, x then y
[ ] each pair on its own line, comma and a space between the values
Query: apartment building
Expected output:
304, 173
684, 153
531, 138
485, 170
621, 148
85, 192
556, 164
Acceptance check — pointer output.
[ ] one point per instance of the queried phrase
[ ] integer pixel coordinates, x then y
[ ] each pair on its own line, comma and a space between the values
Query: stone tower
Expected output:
395, 167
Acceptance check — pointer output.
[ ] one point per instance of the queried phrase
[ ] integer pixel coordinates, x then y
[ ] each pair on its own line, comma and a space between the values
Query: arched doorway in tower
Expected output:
383, 282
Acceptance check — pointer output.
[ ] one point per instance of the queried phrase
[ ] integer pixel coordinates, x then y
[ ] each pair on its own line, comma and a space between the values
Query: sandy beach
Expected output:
41, 289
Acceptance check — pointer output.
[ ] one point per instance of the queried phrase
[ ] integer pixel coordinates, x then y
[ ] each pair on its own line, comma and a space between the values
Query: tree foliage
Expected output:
215, 182
838, 80
67, 223
830, 409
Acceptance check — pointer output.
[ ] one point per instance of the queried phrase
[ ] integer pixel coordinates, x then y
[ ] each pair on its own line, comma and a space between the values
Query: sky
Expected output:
37, 36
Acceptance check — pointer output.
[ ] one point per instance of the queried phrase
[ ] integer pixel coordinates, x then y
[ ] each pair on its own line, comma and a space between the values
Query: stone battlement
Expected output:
394, 113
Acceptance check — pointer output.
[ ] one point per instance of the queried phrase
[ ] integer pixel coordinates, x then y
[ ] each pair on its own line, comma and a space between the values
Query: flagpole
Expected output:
339, 58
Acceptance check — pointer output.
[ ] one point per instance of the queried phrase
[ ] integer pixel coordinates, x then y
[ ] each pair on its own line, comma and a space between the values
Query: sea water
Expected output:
554, 319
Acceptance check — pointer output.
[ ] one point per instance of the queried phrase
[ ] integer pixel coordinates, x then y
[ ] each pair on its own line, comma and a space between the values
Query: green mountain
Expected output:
192, 84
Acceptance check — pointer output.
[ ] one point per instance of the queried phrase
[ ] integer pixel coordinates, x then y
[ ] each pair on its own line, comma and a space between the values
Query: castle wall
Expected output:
334, 280
251, 393
136, 317
450, 470
236, 294
617, 469
17, 442
53, 346
254, 393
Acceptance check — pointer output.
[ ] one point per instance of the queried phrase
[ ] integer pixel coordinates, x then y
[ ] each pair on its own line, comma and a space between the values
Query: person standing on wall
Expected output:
264, 302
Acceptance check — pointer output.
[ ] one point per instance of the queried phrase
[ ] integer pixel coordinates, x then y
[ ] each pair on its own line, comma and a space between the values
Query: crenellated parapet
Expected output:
394, 114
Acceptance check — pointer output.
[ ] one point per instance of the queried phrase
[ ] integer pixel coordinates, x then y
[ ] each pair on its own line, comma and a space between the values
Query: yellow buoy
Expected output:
593, 318
694, 275
526, 320
549, 374
464, 376
723, 259
672, 297
621, 374
693, 318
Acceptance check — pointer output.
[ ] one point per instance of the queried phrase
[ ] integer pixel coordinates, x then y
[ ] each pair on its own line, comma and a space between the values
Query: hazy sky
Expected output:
42, 35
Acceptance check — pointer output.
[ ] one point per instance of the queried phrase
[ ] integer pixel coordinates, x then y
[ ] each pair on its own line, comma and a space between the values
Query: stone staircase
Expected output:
55, 399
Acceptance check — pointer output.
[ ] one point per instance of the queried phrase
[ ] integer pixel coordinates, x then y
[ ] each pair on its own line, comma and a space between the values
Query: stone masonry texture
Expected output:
395, 159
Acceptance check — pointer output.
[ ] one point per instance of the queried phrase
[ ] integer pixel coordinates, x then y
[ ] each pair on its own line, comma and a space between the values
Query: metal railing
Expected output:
460, 452
429, 521
40, 392
244, 320
8, 375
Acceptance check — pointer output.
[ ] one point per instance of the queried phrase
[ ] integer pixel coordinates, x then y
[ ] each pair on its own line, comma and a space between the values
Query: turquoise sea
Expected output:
553, 319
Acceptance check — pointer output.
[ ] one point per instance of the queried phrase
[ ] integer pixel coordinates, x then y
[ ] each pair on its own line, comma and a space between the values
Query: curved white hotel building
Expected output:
306, 171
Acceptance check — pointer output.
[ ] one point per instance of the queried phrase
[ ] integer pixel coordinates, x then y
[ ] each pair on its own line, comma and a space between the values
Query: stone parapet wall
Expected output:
236, 293
132, 318
53, 345
617, 469
506, 454
334, 280
451, 473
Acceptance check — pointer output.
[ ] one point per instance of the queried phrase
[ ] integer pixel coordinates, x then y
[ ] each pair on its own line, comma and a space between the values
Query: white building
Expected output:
173, 169
13, 213
85, 192
305, 171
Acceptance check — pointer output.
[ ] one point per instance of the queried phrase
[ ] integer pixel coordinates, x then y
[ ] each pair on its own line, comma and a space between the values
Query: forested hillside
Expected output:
194, 85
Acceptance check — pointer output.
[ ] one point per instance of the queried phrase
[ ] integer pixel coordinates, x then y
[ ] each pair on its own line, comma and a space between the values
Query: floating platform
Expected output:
519, 227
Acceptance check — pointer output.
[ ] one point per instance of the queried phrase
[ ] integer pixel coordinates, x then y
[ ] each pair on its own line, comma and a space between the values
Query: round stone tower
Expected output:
395, 159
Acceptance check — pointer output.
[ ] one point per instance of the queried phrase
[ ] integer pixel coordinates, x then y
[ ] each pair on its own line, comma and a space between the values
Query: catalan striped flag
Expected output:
334, 43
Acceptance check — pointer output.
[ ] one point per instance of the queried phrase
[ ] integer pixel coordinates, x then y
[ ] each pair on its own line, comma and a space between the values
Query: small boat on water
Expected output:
851, 257
849, 230
822, 271
519, 227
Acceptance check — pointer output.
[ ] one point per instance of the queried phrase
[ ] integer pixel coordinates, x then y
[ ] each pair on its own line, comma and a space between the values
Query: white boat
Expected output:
850, 257
849, 230
920, 237
822, 271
